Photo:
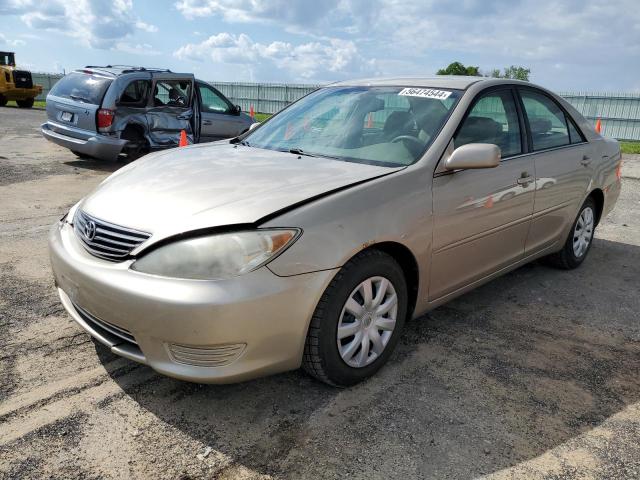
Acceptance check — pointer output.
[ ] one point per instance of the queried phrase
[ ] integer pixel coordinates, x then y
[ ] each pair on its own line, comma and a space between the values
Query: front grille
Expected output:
22, 79
206, 356
105, 240
101, 325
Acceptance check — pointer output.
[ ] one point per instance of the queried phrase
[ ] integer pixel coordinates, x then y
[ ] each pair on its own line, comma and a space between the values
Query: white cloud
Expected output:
312, 60
16, 42
97, 23
136, 49
146, 26
278, 11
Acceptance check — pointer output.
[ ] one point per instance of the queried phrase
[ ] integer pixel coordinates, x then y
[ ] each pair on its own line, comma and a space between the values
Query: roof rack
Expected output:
131, 68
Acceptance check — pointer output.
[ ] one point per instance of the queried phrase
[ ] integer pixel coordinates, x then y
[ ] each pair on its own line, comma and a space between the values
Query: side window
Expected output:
172, 93
574, 135
136, 93
546, 120
493, 119
211, 101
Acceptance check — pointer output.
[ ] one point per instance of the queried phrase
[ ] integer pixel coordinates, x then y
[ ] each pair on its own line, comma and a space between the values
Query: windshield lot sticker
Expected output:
425, 93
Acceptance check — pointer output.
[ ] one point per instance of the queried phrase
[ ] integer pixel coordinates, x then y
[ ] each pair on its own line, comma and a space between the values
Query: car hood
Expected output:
214, 185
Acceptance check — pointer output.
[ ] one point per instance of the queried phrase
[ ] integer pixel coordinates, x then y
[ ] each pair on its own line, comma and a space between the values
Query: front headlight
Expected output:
216, 256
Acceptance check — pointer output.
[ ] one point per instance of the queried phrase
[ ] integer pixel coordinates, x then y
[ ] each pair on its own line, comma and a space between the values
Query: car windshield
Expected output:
82, 87
390, 126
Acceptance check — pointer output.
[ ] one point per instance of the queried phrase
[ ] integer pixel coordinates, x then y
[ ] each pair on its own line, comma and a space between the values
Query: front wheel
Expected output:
579, 241
358, 320
27, 103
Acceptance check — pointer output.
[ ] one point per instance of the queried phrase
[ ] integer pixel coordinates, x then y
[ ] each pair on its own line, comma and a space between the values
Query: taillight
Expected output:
619, 171
105, 118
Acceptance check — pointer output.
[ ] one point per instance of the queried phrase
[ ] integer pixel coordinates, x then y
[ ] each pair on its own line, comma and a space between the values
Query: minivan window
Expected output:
136, 93
211, 101
389, 126
547, 122
82, 87
493, 119
172, 93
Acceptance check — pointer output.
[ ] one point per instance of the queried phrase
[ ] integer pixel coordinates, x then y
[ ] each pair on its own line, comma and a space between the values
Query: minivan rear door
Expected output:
74, 100
170, 109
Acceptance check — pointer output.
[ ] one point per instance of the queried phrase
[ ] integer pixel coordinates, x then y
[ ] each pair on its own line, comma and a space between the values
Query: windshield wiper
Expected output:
244, 142
78, 97
299, 151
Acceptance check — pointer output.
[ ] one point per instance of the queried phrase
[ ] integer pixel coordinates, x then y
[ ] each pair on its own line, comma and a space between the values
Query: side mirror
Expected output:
238, 109
474, 155
254, 125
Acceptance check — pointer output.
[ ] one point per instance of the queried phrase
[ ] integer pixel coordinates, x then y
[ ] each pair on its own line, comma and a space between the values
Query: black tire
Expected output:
566, 258
3, 100
137, 145
27, 103
322, 358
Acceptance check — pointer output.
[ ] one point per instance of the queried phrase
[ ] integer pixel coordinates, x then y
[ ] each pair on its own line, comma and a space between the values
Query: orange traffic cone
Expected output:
183, 139
252, 114
598, 126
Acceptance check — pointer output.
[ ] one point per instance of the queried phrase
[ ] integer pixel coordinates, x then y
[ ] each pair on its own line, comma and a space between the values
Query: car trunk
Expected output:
74, 101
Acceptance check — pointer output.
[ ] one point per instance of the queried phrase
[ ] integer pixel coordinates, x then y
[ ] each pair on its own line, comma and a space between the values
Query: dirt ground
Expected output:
535, 375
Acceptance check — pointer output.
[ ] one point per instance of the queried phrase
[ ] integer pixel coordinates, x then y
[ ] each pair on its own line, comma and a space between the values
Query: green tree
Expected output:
514, 72
457, 68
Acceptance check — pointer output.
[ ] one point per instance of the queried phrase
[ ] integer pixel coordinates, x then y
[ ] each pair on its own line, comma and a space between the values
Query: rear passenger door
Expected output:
481, 217
170, 110
220, 119
563, 167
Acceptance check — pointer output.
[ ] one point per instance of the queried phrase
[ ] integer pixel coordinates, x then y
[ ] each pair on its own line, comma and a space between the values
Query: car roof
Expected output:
436, 81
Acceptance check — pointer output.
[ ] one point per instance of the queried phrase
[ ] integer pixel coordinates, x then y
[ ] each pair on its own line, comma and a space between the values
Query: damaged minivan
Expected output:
102, 112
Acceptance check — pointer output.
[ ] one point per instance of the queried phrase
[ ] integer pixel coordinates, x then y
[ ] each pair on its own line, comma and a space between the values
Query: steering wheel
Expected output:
414, 141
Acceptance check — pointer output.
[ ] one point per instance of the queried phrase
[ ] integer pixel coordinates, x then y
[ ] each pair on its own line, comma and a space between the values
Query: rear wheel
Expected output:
358, 320
27, 103
579, 241
137, 145
3, 100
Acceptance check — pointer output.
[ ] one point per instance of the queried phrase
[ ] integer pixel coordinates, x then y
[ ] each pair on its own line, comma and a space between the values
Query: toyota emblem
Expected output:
90, 230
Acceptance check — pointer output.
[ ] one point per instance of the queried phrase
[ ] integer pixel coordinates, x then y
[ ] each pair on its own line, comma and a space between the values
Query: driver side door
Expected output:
481, 217
220, 119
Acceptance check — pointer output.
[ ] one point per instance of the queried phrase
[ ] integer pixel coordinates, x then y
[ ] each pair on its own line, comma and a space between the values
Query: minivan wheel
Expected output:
27, 103
358, 320
579, 241
3, 100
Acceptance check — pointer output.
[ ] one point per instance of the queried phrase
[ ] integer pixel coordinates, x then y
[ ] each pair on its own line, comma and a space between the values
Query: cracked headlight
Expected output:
216, 257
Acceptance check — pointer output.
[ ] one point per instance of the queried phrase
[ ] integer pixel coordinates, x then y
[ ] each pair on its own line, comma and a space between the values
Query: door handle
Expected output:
184, 116
586, 160
207, 122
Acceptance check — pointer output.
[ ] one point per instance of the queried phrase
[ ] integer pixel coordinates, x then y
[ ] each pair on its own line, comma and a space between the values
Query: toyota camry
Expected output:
311, 239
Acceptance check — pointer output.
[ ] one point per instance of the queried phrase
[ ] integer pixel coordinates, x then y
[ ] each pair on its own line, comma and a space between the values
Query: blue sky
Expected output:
568, 44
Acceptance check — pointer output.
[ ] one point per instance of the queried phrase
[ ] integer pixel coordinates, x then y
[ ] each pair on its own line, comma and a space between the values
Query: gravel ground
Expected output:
534, 375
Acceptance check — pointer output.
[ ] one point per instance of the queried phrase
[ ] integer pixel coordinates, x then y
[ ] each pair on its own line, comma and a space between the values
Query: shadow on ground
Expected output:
490, 380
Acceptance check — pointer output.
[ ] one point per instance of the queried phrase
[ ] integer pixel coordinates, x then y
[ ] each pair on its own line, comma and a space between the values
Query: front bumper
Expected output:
92, 144
250, 326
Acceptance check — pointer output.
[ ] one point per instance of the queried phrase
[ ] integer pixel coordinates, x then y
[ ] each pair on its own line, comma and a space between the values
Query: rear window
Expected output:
82, 87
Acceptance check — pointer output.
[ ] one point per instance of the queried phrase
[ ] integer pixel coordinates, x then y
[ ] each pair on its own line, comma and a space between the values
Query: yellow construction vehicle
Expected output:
16, 84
